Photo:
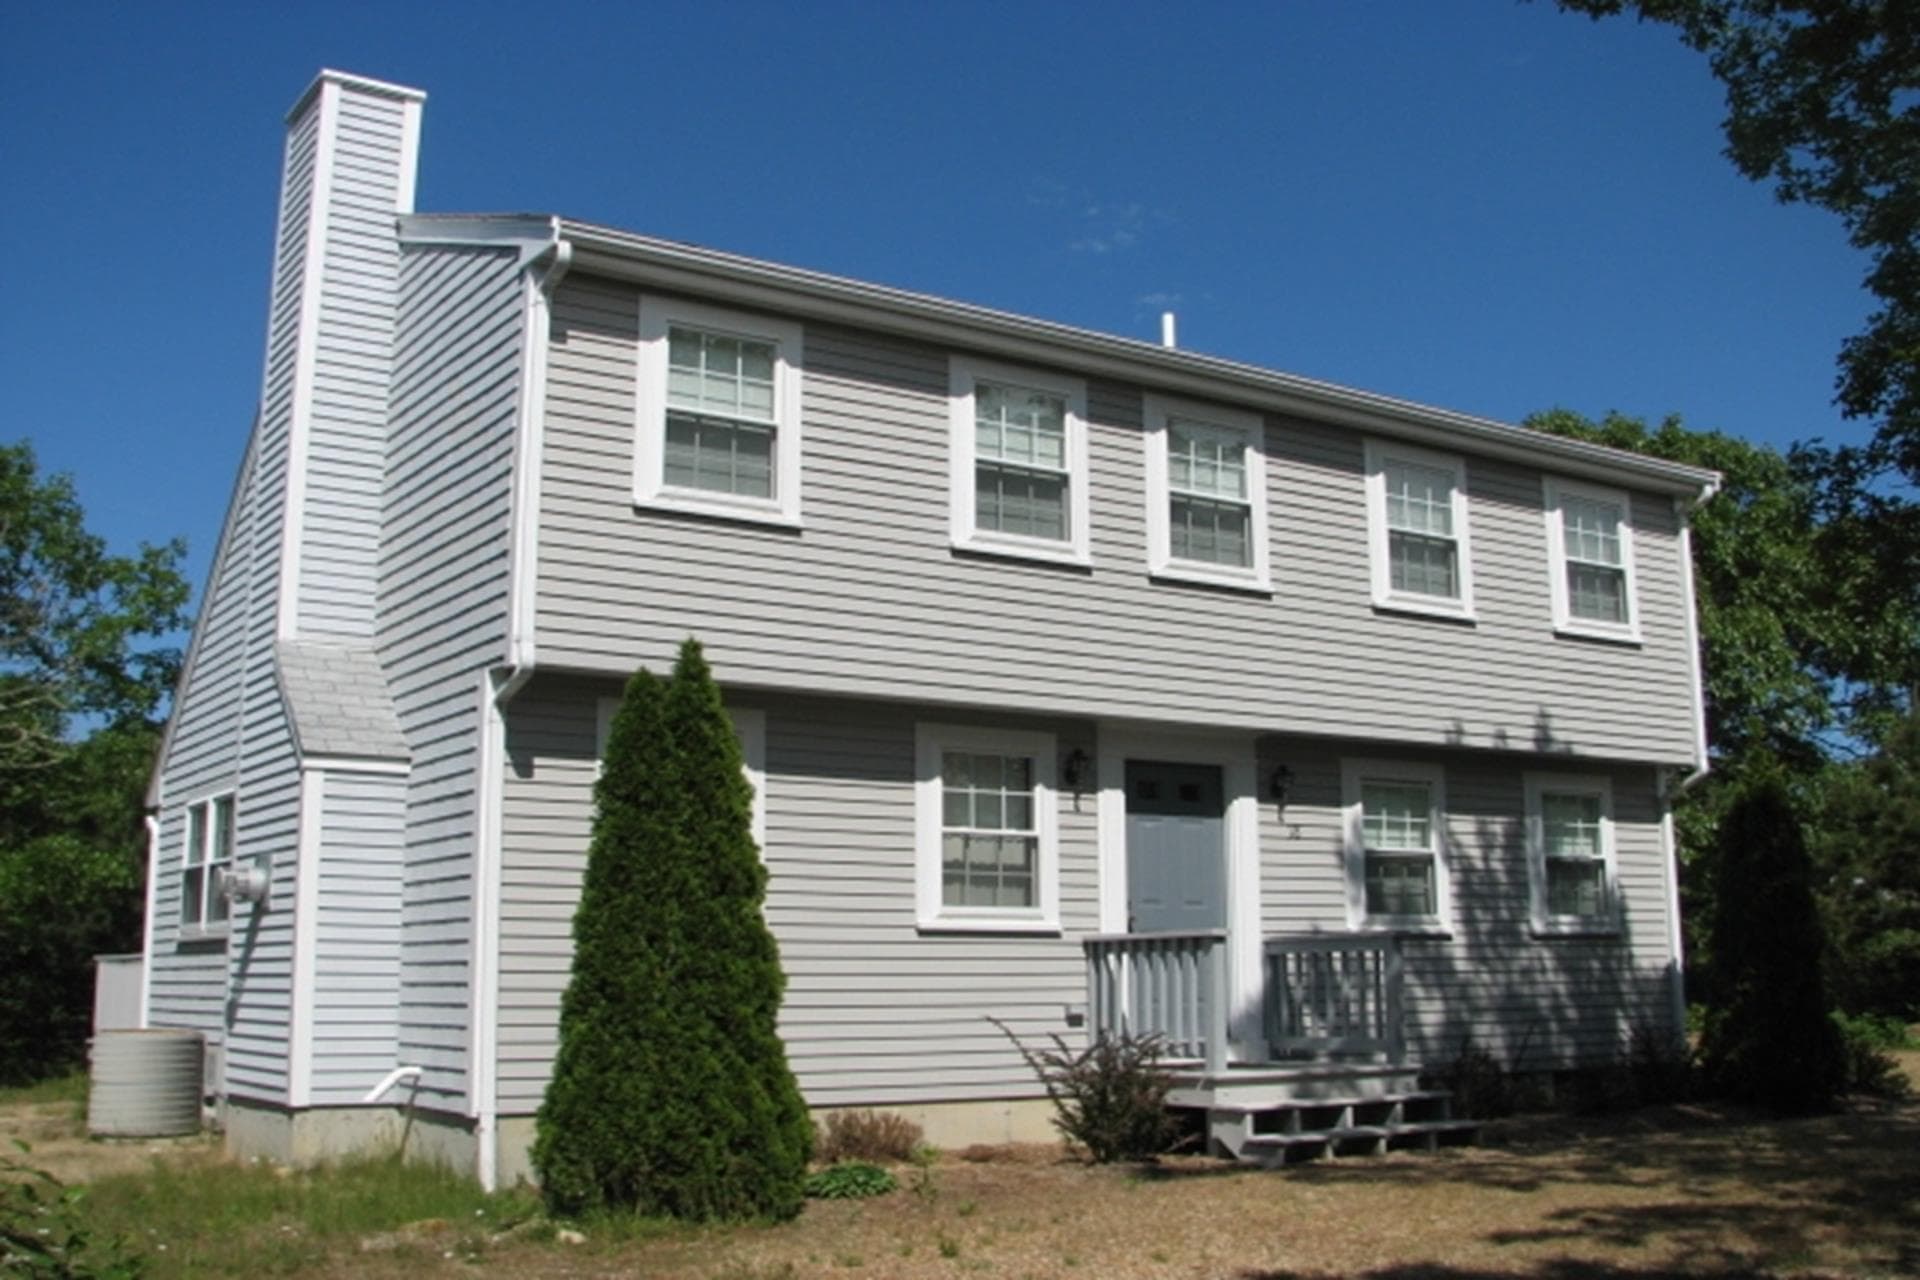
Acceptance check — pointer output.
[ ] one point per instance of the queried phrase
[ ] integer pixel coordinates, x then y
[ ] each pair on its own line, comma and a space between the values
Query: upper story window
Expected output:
1570, 853
1590, 555
205, 861
987, 829
719, 412
1417, 530
1206, 494
1395, 844
1019, 447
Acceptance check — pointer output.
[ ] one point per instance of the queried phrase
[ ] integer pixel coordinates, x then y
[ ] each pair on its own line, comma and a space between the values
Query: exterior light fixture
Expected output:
1074, 770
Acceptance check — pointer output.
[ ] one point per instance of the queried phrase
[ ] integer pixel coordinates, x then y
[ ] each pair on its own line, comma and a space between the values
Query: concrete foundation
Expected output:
314, 1136
262, 1131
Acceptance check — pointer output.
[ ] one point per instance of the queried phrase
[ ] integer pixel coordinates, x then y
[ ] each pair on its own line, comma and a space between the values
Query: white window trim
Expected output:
1537, 786
211, 885
1160, 412
650, 489
1378, 453
749, 726
931, 741
1352, 774
1552, 490
963, 372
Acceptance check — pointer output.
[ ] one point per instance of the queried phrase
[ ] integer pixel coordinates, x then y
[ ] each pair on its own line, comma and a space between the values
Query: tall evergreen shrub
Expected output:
1768, 1039
671, 1093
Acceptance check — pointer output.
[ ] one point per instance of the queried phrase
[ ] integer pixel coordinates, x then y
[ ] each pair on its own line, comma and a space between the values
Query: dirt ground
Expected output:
1697, 1190
57, 1134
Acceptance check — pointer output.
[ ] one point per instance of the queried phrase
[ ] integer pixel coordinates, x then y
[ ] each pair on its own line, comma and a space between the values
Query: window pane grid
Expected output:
989, 840
1016, 500
1396, 815
1398, 885
1576, 887
1419, 499
1206, 462
1212, 532
1573, 839
208, 851
1596, 592
714, 373
721, 456
1021, 427
1592, 531
1424, 566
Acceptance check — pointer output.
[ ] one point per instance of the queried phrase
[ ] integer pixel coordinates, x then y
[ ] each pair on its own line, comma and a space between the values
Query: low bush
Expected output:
849, 1180
1661, 1065
1482, 1088
1109, 1099
867, 1135
1869, 1069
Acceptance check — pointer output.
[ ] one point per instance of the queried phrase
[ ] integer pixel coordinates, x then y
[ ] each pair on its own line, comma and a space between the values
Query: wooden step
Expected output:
1271, 1150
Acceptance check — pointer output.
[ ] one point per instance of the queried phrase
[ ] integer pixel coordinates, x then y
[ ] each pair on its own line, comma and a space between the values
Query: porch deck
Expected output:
1326, 1072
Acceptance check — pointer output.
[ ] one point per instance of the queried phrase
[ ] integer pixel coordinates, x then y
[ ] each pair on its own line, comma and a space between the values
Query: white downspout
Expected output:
1702, 765
146, 942
497, 691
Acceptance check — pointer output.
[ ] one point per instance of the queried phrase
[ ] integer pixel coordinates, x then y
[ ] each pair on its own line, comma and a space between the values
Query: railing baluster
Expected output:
1334, 994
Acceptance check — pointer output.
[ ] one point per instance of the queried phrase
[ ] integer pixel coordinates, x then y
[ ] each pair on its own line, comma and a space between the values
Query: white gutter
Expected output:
499, 688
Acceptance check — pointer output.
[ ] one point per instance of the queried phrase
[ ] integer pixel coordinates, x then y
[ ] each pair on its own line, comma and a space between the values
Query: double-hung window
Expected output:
1206, 494
1590, 555
1417, 530
719, 412
1570, 854
1019, 449
206, 859
1396, 844
987, 838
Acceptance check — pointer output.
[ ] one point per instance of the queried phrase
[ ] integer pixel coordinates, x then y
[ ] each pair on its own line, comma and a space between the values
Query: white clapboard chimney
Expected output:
349, 170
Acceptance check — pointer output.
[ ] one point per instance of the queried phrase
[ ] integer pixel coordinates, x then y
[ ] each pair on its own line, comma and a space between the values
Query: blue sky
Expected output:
1489, 206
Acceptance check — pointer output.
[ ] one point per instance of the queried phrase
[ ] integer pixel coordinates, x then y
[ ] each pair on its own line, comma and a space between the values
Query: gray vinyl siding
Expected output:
875, 1011
187, 985
1536, 1002
443, 612
869, 599
353, 353
356, 996
228, 729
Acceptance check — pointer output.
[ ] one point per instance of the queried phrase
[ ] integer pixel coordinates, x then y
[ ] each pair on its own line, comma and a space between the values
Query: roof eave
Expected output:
671, 265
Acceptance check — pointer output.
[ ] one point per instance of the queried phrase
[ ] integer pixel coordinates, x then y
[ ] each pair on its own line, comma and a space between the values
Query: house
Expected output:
1083, 682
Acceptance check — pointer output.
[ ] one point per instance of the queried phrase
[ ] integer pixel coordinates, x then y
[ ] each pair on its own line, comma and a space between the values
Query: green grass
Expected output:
224, 1219
68, 1088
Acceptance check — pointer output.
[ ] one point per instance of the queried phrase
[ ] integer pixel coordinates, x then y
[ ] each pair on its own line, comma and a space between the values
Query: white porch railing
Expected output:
1168, 984
1341, 995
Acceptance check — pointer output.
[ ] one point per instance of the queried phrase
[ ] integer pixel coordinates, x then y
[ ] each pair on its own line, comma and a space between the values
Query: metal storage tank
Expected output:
146, 1084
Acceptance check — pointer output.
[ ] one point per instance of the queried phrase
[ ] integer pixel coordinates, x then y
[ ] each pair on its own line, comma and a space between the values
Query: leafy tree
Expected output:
71, 619
1867, 851
671, 1092
1801, 645
1823, 100
1768, 1039
84, 673
1803, 654
62, 900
